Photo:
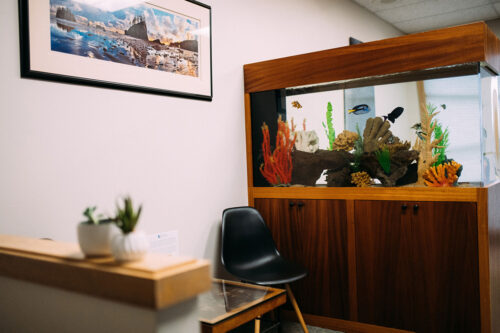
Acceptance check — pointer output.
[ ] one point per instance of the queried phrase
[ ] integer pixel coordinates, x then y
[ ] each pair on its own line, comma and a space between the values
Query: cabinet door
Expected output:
417, 267
313, 233
446, 273
383, 267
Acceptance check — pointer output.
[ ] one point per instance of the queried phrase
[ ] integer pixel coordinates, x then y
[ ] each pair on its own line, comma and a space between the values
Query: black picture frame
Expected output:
188, 86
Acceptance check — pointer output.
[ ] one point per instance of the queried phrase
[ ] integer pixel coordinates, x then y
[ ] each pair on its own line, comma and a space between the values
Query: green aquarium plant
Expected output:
358, 152
329, 130
384, 159
440, 151
126, 217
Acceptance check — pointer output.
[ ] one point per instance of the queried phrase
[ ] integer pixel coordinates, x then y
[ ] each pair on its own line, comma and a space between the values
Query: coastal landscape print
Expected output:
128, 32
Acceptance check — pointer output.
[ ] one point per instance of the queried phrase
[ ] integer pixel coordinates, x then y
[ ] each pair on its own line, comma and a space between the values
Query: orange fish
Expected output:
296, 104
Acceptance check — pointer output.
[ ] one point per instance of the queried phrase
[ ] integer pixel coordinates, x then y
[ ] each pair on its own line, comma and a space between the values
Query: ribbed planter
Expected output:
95, 239
130, 247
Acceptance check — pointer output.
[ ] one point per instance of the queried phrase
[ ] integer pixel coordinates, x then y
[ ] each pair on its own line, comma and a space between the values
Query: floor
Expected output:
290, 327
287, 327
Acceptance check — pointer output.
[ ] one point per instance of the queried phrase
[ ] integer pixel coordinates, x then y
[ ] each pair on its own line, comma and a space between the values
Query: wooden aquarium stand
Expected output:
399, 259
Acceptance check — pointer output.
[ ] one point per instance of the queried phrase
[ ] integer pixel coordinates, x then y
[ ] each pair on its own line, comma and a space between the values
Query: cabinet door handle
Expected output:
300, 204
415, 208
404, 206
291, 204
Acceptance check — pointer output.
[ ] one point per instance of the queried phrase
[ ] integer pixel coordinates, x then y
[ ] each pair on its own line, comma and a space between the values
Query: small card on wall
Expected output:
165, 242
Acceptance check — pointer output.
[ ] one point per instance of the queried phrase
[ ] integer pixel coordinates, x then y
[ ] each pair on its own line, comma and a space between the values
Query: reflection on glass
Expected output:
465, 123
227, 298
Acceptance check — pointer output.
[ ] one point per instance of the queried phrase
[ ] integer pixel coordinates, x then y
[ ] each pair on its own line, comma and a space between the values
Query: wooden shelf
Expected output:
155, 282
464, 194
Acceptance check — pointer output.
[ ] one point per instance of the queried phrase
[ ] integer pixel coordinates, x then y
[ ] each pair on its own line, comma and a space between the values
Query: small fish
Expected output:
394, 114
418, 130
360, 109
296, 105
443, 106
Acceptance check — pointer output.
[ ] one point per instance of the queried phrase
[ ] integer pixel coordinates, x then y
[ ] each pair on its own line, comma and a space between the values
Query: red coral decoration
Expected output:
277, 166
442, 175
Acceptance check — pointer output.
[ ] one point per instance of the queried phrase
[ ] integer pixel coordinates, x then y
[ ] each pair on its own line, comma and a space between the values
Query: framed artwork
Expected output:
158, 46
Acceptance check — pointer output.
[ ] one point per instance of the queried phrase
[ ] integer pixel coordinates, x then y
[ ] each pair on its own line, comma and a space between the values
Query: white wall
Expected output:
63, 147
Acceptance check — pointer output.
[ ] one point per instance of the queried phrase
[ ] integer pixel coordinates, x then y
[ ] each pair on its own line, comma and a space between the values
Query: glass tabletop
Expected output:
228, 298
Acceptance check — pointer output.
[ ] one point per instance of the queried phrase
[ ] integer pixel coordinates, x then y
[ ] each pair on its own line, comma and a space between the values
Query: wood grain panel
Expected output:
493, 281
383, 249
438, 48
445, 275
313, 233
351, 259
114, 282
248, 134
492, 51
467, 194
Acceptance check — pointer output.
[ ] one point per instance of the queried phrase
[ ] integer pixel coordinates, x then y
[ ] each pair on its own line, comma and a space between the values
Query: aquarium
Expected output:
436, 127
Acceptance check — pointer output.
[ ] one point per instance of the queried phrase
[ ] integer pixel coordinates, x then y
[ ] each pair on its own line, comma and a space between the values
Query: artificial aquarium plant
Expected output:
127, 217
277, 166
384, 159
425, 143
329, 130
440, 151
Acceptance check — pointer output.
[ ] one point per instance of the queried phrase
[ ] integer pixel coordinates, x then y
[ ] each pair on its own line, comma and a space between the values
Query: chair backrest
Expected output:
245, 238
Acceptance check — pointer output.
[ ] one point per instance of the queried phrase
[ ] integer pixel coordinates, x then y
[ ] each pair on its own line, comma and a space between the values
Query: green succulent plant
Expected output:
126, 217
92, 218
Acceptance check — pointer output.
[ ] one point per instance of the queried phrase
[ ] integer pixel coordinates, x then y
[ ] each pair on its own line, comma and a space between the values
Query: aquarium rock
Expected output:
307, 141
376, 134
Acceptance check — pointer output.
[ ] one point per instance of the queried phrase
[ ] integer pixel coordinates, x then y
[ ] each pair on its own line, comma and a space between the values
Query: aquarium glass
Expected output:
465, 105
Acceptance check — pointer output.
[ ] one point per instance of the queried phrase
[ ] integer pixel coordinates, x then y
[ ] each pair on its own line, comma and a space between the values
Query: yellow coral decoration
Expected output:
345, 141
361, 179
442, 175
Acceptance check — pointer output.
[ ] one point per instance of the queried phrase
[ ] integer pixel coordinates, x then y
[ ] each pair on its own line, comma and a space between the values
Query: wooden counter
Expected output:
156, 282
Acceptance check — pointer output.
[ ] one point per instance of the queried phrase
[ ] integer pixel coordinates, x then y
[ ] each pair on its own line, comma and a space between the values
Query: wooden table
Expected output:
230, 304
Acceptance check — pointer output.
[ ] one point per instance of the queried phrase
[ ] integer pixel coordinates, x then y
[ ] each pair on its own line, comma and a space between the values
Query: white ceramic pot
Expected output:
95, 239
130, 247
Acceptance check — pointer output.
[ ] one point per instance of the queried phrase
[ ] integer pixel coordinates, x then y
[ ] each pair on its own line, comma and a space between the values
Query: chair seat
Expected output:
274, 270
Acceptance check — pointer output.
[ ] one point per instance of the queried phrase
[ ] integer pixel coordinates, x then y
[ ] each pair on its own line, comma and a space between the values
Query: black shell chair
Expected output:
248, 252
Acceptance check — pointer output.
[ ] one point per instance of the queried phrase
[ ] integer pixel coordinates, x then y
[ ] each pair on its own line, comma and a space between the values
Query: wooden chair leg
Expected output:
257, 325
296, 308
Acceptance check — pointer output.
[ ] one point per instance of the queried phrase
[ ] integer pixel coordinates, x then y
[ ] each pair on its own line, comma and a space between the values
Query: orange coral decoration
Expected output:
442, 175
277, 166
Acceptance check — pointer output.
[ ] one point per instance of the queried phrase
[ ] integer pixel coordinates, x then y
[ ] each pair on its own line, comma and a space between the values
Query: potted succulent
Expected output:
95, 234
129, 245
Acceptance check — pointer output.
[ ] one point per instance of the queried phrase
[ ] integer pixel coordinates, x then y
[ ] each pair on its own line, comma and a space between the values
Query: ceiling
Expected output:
411, 16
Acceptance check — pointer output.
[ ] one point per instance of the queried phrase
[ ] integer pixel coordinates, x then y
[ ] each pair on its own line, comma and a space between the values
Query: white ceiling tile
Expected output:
377, 5
429, 8
419, 15
497, 7
447, 19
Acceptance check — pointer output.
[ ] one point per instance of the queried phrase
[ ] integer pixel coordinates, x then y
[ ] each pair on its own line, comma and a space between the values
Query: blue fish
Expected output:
360, 109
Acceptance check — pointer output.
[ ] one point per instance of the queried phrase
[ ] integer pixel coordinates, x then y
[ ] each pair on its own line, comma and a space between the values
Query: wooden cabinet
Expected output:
378, 265
313, 233
417, 265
